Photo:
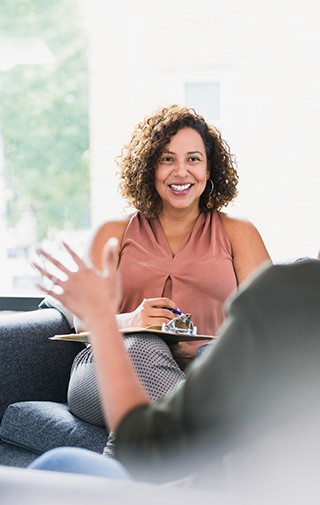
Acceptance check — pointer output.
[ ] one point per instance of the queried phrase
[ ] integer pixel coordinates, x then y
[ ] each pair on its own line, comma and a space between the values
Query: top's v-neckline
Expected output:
163, 241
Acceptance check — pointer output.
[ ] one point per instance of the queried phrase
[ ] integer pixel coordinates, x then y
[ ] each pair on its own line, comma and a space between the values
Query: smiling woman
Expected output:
177, 172
149, 147
177, 251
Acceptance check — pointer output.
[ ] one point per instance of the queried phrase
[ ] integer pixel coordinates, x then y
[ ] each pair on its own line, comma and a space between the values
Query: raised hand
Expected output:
86, 292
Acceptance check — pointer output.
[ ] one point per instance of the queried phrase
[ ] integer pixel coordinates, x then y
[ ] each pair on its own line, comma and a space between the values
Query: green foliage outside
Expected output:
44, 118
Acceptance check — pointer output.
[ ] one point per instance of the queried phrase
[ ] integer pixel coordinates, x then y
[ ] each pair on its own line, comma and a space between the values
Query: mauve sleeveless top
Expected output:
198, 278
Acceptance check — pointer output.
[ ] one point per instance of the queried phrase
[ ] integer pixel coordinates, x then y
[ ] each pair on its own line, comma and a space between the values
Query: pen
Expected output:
175, 311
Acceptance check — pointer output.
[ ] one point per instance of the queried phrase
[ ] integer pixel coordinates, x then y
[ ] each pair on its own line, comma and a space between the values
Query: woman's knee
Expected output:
80, 461
146, 346
83, 391
154, 364
58, 459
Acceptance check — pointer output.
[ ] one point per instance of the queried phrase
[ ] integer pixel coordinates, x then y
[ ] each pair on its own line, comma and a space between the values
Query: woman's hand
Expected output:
150, 312
87, 292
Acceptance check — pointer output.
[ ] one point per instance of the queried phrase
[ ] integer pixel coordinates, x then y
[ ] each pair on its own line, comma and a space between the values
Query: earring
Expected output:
209, 203
212, 187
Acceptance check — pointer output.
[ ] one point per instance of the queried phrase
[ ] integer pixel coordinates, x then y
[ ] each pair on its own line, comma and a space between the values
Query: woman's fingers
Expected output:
50, 292
153, 312
78, 261
60, 266
160, 307
55, 281
109, 256
52, 260
45, 273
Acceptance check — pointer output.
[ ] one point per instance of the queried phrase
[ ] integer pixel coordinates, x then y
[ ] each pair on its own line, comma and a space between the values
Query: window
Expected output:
257, 94
44, 168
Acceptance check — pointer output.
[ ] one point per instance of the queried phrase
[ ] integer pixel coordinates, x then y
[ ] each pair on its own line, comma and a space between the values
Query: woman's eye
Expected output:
194, 158
167, 159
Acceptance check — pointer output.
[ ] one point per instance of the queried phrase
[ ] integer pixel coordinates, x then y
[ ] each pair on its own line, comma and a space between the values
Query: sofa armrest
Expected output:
32, 367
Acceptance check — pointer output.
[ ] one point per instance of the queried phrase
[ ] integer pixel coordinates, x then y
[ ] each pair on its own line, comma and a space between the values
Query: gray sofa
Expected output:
34, 375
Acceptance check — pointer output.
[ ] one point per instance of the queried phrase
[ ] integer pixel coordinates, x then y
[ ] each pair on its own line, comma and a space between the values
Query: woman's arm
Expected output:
93, 297
248, 249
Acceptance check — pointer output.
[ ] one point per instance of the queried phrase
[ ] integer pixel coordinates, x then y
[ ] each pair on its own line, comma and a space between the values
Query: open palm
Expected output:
86, 292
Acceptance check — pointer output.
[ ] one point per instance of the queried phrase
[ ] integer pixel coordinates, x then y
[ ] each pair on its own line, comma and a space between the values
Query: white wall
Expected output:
265, 56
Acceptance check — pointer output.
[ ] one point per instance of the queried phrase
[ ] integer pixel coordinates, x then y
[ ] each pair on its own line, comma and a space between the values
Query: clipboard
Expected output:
167, 336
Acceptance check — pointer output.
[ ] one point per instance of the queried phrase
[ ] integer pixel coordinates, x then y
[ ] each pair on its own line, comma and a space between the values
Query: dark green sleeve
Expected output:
163, 441
268, 352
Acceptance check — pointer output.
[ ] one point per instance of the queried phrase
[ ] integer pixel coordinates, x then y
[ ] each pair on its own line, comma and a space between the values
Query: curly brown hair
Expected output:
140, 157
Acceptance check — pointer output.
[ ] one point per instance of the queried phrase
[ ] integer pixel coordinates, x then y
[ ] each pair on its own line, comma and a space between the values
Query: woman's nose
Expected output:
180, 168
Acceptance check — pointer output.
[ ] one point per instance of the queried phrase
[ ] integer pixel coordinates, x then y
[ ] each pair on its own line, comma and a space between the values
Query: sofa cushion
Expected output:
32, 367
40, 426
12, 455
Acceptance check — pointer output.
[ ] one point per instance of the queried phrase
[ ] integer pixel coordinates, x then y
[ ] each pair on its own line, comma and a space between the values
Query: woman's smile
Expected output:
180, 189
182, 172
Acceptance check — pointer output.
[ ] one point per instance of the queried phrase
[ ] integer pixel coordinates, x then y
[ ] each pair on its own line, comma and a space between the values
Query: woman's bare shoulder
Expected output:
101, 235
111, 228
237, 225
248, 248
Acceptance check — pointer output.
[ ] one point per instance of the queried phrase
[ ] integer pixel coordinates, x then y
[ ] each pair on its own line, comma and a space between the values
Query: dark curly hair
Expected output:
140, 157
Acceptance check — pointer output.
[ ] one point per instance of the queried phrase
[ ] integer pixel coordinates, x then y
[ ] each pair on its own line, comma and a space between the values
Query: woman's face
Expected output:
182, 172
